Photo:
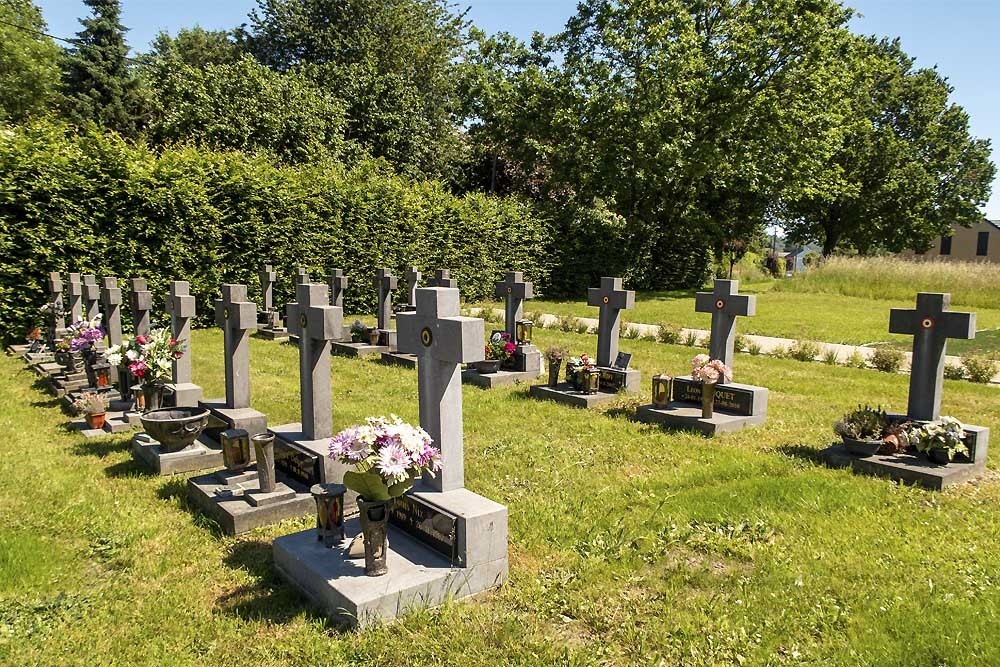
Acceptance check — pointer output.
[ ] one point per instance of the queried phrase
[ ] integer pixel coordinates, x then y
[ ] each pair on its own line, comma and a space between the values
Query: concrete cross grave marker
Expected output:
514, 290
56, 299
726, 304
316, 323
611, 299
442, 278
91, 297
140, 302
442, 341
301, 275
412, 275
181, 307
931, 325
75, 297
338, 285
237, 316
267, 280
385, 282
111, 299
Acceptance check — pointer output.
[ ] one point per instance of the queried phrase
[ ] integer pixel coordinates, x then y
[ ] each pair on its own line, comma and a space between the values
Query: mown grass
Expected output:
971, 284
829, 318
628, 544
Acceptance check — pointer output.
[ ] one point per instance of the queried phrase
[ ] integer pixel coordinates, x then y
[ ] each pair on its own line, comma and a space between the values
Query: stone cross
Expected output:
725, 303
267, 279
91, 297
442, 278
111, 299
514, 291
56, 294
338, 285
385, 282
412, 275
611, 299
140, 302
181, 307
931, 326
75, 298
442, 341
316, 323
301, 275
237, 316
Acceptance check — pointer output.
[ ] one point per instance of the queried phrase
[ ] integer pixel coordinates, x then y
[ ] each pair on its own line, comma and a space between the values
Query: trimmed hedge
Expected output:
93, 203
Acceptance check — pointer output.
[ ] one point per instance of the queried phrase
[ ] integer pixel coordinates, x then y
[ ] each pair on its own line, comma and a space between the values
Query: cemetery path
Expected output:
769, 345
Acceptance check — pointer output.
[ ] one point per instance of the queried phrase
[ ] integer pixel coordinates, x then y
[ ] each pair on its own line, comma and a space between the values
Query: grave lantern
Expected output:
329, 512
591, 380
235, 448
661, 390
523, 330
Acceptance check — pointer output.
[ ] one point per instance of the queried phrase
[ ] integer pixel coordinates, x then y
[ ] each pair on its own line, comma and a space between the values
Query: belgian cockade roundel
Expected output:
607, 299
510, 290
720, 304
927, 323
225, 313
426, 337
302, 320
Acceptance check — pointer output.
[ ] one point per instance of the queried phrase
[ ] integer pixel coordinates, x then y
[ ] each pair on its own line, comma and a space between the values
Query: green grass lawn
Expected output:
628, 545
830, 318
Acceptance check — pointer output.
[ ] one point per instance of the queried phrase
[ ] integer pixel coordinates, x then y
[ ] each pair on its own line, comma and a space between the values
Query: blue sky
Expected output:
958, 36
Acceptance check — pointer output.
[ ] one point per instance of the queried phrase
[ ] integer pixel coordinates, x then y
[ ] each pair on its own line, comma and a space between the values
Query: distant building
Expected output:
800, 258
979, 243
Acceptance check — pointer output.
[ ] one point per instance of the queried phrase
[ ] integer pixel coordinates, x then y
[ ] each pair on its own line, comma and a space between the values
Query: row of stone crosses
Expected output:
459, 539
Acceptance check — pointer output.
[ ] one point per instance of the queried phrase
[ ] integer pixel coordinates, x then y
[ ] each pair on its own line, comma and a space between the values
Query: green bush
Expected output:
830, 357
953, 372
94, 203
668, 333
741, 342
887, 360
979, 369
803, 350
567, 323
856, 360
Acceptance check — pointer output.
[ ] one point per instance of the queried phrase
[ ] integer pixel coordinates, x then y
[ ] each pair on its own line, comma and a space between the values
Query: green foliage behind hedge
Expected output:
96, 204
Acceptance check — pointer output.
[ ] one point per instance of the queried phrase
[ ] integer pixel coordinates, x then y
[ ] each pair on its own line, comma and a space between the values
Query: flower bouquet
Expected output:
150, 360
940, 440
388, 455
84, 335
709, 372
500, 348
577, 368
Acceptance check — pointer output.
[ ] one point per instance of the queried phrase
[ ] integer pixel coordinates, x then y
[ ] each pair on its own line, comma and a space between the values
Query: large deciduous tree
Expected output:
905, 166
29, 66
392, 61
197, 47
98, 84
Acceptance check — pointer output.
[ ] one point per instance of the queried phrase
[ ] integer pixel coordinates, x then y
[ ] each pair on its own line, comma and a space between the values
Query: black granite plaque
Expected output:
728, 398
299, 464
612, 380
622, 360
432, 526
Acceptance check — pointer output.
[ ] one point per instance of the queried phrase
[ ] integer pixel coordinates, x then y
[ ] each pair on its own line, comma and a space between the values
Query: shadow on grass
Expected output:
175, 488
126, 469
803, 452
268, 598
99, 447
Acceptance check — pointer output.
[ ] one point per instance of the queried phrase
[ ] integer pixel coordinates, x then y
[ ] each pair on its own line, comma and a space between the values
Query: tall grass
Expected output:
970, 283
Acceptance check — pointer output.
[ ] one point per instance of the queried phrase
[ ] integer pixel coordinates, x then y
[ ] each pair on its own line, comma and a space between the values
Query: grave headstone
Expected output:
269, 316
931, 325
450, 540
140, 303
91, 297
725, 303
385, 283
75, 297
181, 308
111, 298
338, 285
56, 299
442, 278
301, 275
412, 276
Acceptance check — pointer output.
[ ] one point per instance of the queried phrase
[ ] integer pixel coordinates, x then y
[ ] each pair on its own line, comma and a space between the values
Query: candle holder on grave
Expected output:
662, 385
138, 397
102, 375
235, 449
591, 380
522, 331
263, 444
329, 513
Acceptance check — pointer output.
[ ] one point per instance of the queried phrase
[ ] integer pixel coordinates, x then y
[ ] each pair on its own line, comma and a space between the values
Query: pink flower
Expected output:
393, 461
142, 340
510, 347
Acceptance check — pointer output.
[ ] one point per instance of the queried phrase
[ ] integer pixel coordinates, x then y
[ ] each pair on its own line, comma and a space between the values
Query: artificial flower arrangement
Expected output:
84, 335
940, 440
359, 332
149, 358
500, 347
576, 367
710, 371
387, 453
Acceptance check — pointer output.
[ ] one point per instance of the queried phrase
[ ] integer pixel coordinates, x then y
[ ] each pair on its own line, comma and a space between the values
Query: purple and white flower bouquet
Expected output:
84, 335
387, 453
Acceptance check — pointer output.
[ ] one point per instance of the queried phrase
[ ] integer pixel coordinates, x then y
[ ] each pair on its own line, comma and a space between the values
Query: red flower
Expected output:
510, 347
142, 340
173, 342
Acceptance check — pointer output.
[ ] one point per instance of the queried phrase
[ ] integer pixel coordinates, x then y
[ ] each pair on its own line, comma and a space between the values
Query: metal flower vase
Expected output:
263, 446
554, 367
707, 400
152, 396
374, 518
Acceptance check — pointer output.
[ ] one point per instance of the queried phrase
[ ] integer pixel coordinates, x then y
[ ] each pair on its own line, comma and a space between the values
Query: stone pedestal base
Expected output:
248, 419
913, 469
199, 456
234, 501
498, 379
349, 349
183, 395
114, 422
17, 349
687, 416
38, 357
278, 333
400, 359
418, 576
565, 393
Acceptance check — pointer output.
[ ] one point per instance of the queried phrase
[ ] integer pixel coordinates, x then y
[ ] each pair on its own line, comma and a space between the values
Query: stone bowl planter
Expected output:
175, 428
487, 367
862, 447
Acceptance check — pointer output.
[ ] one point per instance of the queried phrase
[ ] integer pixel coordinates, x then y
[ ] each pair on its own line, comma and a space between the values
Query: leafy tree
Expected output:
29, 67
197, 47
97, 82
905, 166
392, 61
245, 106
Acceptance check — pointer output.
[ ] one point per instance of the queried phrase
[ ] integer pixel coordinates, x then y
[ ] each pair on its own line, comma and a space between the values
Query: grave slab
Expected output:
903, 467
248, 419
349, 349
400, 359
233, 500
202, 455
277, 333
687, 416
115, 422
418, 576
565, 393
501, 378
